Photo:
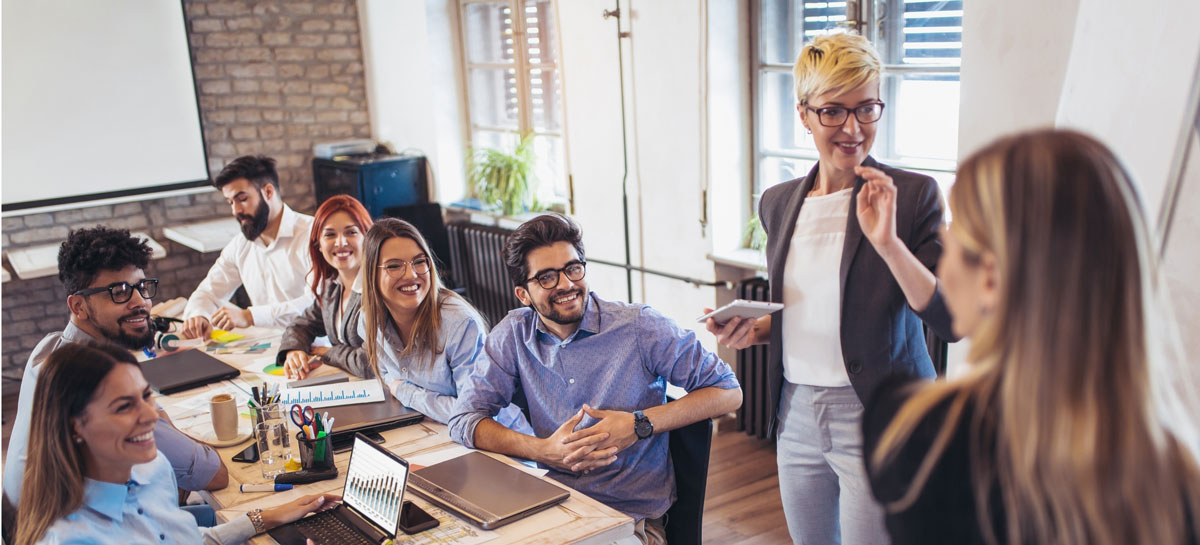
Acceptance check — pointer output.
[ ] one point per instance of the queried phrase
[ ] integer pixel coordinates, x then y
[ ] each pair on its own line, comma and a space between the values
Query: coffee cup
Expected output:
223, 408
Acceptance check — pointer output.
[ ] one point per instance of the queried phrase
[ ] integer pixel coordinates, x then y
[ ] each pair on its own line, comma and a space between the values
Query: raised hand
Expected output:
876, 208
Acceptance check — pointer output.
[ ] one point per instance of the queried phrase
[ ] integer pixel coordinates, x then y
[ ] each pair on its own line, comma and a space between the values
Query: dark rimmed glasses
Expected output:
122, 292
836, 116
548, 279
396, 267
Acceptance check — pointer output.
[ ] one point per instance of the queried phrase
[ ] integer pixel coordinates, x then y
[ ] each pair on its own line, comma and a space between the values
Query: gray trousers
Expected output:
826, 497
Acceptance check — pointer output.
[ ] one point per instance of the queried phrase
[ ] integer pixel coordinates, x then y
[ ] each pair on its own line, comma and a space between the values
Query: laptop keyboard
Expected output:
326, 528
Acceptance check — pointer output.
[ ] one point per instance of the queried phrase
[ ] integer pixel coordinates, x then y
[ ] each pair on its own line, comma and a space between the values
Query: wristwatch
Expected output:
642, 425
256, 519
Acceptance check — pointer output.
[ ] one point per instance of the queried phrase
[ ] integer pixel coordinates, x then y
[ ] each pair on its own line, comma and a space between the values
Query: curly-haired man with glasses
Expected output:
108, 294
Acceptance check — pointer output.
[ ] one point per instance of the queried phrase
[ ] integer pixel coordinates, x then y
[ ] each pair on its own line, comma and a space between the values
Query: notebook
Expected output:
485, 491
185, 370
371, 502
367, 417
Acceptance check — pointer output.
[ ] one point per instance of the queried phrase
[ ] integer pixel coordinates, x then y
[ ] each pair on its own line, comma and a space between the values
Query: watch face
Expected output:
643, 428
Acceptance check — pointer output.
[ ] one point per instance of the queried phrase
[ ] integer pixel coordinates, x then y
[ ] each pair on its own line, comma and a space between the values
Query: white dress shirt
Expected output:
274, 275
812, 293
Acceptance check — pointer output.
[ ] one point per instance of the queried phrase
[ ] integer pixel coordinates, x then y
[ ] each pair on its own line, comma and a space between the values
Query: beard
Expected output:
132, 341
258, 222
547, 310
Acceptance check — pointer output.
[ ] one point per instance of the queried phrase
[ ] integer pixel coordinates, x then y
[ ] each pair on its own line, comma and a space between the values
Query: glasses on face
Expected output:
835, 116
122, 292
548, 279
396, 267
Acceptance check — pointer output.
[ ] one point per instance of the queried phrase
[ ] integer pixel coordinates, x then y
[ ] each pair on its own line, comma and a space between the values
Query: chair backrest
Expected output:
690, 447
8, 520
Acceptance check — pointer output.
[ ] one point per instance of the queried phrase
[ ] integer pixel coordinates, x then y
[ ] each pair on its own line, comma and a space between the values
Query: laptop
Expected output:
485, 491
368, 418
371, 502
185, 370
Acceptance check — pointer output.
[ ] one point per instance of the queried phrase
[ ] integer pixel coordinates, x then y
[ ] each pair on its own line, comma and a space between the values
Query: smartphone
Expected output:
741, 308
413, 519
249, 455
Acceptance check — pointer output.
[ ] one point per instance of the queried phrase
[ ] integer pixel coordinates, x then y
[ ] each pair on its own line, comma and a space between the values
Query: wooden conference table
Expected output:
580, 519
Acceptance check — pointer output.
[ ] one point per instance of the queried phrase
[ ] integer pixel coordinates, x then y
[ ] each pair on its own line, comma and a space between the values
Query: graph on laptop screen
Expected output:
375, 486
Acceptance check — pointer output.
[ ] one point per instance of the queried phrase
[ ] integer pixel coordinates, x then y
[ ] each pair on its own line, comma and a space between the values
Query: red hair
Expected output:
322, 270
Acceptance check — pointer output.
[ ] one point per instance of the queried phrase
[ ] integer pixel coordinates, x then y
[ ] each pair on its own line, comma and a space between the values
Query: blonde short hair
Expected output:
835, 63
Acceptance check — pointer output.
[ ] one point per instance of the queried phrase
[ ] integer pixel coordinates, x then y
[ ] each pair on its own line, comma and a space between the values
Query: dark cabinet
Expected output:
377, 181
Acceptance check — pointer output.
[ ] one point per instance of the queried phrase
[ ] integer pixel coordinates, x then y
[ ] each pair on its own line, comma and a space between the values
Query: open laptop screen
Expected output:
375, 484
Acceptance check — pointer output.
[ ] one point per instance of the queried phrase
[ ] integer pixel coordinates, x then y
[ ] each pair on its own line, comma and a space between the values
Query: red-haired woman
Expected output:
335, 246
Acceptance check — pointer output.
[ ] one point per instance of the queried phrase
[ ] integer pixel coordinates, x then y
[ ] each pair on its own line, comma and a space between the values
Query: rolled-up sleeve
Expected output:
238, 530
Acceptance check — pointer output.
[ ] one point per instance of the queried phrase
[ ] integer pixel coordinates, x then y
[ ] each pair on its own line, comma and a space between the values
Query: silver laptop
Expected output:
371, 502
484, 491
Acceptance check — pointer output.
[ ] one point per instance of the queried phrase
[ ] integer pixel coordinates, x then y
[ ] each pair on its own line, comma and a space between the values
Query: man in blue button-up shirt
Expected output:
592, 376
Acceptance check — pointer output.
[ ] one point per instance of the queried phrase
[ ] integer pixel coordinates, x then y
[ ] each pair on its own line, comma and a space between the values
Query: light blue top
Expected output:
145, 510
621, 358
431, 388
194, 464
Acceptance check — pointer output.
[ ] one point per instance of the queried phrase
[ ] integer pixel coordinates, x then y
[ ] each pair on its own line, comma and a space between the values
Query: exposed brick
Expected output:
244, 133
317, 71
298, 101
16, 222
340, 130
343, 103
230, 39
127, 209
345, 25
182, 200
244, 23
330, 89
249, 116
273, 146
272, 86
318, 130
294, 129
225, 8
354, 68
337, 39
68, 216
288, 71
277, 38
331, 8
14, 328
219, 87
249, 148
251, 70
97, 213
56, 233
268, 101
209, 71
266, 8
299, 8
207, 56
25, 313
20, 298
245, 86
244, 54
273, 116
170, 263
293, 54
222, 148
207, 103
322, 103
270, 131
338, 54
131, 223
216, 133
234, 101
310, 40
207, 25
39, 220
298, 145
55, 323
223, 117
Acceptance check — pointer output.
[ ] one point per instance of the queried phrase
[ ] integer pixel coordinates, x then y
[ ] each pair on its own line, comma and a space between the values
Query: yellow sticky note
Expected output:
222, 336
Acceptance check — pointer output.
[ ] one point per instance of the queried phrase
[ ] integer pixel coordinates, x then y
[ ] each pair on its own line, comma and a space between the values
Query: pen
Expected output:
149, 352
265, 487
254, 390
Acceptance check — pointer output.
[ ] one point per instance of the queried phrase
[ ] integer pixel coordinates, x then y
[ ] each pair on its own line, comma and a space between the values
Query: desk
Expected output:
580, 519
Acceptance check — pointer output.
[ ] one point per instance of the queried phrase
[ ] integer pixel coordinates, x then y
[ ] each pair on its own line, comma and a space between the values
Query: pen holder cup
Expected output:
315, 454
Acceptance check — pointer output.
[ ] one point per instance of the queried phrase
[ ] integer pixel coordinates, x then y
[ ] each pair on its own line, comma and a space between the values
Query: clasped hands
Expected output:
593, 447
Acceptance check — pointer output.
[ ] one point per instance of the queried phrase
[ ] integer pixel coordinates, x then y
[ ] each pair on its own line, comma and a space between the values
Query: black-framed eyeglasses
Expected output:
548, 279
396, 267
835, 116
122, 292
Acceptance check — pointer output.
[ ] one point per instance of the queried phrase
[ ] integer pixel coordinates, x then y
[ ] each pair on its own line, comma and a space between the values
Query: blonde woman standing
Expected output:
1069, 428
850, 252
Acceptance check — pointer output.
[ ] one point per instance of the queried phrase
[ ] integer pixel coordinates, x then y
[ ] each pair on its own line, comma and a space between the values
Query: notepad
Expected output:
333, 395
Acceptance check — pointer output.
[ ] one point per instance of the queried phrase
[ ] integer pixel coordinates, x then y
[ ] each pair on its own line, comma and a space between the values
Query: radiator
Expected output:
754, 417
476, 256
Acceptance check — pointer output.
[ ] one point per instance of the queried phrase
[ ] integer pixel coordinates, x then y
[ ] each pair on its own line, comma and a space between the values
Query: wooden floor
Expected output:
742, 504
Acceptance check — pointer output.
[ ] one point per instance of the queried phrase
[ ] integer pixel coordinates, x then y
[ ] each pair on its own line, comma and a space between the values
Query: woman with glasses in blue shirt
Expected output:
94, 475
421, 337
853, 308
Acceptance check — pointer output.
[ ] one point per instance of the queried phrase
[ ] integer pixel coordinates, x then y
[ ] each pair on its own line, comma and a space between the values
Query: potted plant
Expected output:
505, 180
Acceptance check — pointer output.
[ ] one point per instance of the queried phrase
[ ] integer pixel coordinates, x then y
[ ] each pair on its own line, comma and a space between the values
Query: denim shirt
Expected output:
621, 358
431, 388
145, 510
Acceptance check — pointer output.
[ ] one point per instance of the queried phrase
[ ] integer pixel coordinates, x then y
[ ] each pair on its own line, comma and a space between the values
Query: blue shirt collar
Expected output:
590, 325
108, 499
73, 334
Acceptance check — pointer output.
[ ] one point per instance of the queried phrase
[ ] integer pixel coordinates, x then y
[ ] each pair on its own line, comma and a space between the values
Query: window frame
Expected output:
560, 193
861, 16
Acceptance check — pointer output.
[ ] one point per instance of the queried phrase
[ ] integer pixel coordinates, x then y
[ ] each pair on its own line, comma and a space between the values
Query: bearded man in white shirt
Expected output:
271, 261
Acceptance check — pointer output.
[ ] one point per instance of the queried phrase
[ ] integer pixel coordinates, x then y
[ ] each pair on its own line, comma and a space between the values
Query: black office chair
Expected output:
8, 520
690, 446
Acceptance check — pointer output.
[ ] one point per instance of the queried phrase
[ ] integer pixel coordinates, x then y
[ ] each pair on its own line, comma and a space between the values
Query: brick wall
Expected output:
274, 77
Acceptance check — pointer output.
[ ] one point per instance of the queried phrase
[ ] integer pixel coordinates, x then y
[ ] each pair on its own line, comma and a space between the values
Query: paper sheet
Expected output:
450, 529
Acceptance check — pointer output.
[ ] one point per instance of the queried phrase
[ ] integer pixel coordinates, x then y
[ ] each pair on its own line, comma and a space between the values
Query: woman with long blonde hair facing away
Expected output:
1069, 427
422, 338
94, 475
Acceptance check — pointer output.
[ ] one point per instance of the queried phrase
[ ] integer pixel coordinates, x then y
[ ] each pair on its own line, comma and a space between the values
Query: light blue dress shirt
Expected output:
143, 511
431, 387
621, 358
194, 464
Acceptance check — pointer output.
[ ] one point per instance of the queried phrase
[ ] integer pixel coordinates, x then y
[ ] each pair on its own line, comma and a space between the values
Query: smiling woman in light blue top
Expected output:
94, 475
422, 338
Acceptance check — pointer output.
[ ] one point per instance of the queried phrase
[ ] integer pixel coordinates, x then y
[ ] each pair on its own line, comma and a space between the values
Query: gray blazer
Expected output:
318, 320
881, 335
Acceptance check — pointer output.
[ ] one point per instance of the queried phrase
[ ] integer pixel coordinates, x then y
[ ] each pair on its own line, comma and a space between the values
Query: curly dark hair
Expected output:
543, 230
88, 251
258, 169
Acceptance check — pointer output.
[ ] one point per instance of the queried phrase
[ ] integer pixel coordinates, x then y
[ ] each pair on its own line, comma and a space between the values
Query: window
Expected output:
514, 84
920, 42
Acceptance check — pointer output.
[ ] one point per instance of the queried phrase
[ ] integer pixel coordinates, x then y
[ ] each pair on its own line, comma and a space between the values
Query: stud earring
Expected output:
78, 439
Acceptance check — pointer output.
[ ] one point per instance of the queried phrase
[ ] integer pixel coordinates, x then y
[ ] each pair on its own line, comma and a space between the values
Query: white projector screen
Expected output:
99, 102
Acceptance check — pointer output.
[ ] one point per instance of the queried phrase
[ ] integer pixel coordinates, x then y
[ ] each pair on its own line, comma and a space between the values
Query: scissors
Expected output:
303, 416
